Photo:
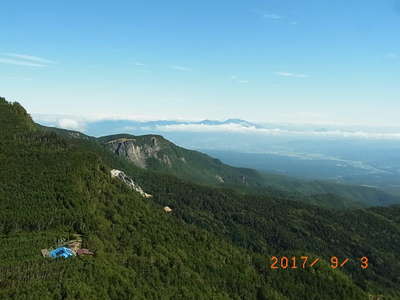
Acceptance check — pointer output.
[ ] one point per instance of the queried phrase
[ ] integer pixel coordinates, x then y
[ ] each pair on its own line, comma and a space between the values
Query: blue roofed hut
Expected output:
61, 252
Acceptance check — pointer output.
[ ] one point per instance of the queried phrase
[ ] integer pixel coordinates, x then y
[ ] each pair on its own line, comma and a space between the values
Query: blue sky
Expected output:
298, 61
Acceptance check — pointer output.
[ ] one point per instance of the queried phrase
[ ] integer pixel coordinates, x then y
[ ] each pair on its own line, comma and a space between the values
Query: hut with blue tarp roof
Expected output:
61, 252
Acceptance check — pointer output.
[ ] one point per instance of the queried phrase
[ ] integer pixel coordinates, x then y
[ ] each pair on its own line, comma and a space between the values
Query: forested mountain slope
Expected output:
156, 153
216, 243
153, 152
52, 186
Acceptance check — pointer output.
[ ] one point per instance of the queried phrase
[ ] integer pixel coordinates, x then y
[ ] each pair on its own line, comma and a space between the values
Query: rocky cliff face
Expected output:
139, 152
155, 153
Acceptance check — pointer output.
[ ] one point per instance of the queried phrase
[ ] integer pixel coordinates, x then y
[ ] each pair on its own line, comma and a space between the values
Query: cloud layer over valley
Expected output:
232, 126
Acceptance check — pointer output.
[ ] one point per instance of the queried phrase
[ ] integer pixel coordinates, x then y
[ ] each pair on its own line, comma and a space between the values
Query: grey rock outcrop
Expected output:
129, 182
136, 153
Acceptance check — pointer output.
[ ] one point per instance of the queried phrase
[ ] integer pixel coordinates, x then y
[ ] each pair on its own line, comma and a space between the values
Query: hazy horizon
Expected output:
100, 125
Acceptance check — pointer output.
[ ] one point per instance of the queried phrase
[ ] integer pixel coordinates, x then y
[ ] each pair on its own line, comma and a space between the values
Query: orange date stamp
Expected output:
303, 262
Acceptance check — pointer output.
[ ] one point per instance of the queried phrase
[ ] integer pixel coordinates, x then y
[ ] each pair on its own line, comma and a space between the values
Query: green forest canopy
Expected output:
216, 244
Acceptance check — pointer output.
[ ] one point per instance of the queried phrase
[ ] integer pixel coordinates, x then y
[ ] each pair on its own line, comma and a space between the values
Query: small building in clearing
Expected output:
61, 252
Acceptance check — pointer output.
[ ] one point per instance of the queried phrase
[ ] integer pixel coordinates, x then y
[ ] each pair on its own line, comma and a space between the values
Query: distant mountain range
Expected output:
100, 126
103, 127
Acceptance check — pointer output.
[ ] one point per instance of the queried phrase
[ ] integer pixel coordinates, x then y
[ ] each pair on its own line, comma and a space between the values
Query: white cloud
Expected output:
180, 68
24, 60
10, 61
267, 129
238, 128
236, 79
29, 58
82, 120
70, 124
288, 74
272, 16
139, 64
207, 128
392, 56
